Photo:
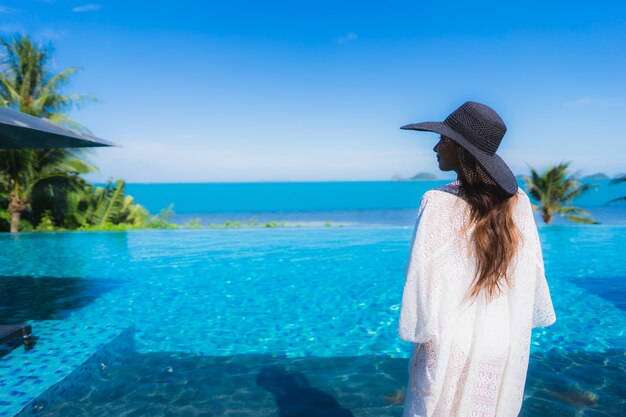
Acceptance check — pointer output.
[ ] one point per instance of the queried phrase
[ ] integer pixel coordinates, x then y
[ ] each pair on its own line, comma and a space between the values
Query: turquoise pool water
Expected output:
217, 311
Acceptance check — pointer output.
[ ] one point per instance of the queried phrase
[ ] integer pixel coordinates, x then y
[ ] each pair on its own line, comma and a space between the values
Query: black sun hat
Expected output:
479, 129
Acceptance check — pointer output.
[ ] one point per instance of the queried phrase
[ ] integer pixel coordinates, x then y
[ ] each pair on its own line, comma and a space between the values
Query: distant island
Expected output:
422, 176
427, 176
597, 176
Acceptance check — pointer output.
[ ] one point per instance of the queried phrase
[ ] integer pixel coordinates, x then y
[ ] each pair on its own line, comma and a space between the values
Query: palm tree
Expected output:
26, 85
47, 174
552, 189
617, 180
97, 206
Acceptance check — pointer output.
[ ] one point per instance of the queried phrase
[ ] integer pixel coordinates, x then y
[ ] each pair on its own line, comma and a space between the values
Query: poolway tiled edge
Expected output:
31, 381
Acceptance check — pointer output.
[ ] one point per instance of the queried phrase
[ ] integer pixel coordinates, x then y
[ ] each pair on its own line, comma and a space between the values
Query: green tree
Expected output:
47, 174
27, 85
99, 207
162, 220
553, 189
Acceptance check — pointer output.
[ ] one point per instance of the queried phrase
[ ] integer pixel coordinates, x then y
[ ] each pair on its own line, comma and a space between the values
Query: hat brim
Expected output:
495, 167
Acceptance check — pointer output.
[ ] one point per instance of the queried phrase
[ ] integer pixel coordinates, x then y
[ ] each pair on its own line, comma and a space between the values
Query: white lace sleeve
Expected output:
543, 311
415, 323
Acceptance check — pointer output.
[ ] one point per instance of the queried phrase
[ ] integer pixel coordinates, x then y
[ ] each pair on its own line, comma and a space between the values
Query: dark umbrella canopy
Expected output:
19, 130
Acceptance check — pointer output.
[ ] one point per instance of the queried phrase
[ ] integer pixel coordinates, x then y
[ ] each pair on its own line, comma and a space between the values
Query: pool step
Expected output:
392, 411
169, 383
65, 353
149, 409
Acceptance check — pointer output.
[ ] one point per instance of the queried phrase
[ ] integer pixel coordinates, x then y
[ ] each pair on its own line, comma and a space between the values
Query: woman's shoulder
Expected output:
445, 192
451, 194
454, 188
442, 198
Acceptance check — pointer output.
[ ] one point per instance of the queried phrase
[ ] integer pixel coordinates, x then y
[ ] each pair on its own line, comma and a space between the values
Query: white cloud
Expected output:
51, 34
189, 158
347, 38
92, 7
12, 28
194, 161
593, 101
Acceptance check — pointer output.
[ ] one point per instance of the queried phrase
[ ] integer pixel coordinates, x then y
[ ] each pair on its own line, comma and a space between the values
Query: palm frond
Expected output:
75, 215
9, 94
116, 203
66, 121
569, 209
615, 199
617, 180
554, 187
576, 191
580, 219
60, 79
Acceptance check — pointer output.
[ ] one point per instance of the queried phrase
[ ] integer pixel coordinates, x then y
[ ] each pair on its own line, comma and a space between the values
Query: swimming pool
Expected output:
222, 322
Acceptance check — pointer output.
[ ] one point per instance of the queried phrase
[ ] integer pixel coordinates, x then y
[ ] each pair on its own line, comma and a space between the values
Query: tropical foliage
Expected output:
46, 174
41, 189
86, 207
38, 180
100, 205
26, 84
553, 189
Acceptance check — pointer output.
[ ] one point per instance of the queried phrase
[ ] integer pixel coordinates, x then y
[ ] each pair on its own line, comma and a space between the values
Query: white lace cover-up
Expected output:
468, 359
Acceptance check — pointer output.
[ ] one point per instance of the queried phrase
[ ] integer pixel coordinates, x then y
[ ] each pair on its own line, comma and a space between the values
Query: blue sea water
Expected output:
356, 203
262, 321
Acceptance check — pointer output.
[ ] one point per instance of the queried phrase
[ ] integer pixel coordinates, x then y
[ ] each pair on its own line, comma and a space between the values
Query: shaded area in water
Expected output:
578, 383
47, 298
172, 384
610, 288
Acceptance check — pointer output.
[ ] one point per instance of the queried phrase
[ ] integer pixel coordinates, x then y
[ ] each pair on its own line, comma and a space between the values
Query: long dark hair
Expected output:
495, 238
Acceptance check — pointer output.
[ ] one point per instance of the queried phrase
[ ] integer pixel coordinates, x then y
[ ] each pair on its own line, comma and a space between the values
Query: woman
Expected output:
475, 283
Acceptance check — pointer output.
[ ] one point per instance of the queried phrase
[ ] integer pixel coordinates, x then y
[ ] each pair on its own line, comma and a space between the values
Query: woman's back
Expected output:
469, 358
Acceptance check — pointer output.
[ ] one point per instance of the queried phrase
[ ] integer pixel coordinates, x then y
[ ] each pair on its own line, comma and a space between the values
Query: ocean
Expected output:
348, 203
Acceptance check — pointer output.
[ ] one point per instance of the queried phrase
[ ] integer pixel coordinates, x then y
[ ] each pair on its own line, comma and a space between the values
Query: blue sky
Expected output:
317, 90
